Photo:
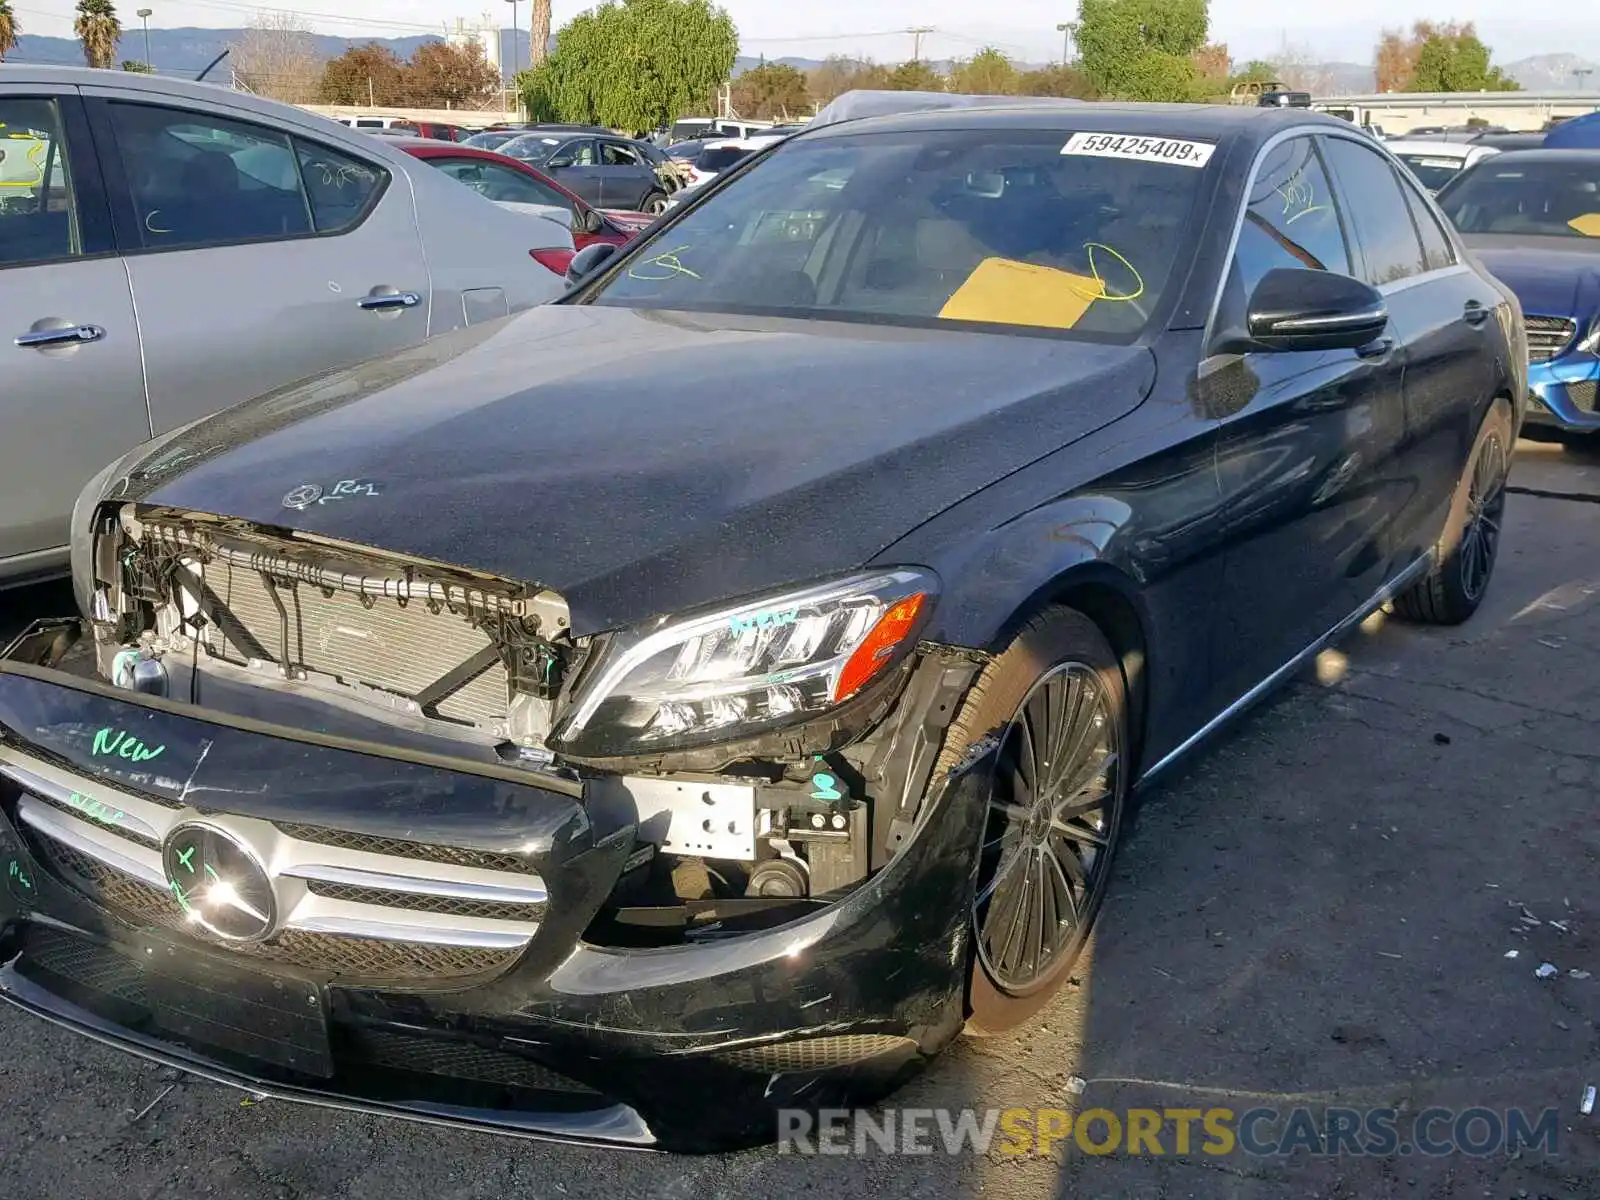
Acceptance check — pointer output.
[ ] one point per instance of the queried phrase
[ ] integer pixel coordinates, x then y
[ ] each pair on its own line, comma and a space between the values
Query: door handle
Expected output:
390, 301
1474, 313
1377, 348
70, 335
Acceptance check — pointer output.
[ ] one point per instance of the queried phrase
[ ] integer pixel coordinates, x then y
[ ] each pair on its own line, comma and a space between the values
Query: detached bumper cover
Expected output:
691, 1048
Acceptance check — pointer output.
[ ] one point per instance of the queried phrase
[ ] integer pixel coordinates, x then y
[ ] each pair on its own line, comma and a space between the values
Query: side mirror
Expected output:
592, 222
587, 261
556, 164
1309, 310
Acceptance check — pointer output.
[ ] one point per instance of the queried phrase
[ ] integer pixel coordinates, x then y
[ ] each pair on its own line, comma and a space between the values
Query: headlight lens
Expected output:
1591, 344
741, 670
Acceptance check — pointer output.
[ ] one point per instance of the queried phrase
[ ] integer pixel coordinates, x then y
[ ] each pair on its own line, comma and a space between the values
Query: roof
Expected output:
1509, 157
1214, 121
1460, 150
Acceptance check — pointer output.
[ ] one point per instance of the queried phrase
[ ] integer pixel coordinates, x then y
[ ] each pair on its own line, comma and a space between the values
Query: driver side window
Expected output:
1292, 219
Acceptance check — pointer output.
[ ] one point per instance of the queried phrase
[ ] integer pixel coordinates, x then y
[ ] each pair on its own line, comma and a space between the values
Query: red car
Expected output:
501, 178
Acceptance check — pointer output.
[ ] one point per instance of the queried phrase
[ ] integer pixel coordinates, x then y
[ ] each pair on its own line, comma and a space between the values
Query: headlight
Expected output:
1591, 344
696, 680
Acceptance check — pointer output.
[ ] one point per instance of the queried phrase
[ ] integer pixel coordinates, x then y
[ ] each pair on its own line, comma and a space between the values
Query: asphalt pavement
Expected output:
1318, 911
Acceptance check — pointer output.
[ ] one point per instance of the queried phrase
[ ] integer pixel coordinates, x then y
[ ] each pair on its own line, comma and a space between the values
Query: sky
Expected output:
1024, 29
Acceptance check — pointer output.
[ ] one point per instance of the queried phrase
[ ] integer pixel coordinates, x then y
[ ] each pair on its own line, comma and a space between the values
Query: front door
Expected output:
625, 177
256, 257
1307, 440
73, 397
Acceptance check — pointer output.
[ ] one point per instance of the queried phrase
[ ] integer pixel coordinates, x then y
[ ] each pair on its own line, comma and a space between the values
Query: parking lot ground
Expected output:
1317, 911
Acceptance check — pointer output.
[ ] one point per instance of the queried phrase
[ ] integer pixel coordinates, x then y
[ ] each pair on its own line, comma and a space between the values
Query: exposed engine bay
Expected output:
300, 630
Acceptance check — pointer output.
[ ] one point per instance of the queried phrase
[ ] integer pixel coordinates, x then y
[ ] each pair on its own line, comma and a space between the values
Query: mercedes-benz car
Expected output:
1533, 218
510, 732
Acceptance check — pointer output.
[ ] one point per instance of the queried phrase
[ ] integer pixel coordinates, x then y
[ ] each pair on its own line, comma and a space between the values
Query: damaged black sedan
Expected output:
519, 732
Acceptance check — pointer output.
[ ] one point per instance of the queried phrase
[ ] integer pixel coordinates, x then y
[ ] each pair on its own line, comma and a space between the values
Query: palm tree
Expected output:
10, 29
99, 30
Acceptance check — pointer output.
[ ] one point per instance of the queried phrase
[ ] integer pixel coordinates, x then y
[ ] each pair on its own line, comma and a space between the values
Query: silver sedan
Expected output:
172, 248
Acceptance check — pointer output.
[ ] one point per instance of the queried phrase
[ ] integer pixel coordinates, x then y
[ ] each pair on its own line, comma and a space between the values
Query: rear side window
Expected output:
38, 218
1437, 253
1292, 220
1379, 212
340, 188
614, 154
720, 159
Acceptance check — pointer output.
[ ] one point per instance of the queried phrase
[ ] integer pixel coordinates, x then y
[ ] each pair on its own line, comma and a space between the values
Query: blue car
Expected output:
1533, 218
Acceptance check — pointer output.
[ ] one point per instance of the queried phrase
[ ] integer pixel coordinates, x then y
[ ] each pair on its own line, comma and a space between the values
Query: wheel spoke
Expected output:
1087, 774
1002, 871
1069, 862
1077, 831
1066, 905
1026, 756
1081, 804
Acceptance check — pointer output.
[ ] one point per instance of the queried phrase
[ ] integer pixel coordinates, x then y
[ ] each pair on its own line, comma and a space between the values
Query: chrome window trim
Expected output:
1266, 148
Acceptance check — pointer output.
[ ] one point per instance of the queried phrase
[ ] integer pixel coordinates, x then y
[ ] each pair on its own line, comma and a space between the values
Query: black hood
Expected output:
641, 462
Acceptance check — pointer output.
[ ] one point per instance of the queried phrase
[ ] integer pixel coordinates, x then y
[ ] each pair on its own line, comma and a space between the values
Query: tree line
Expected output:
640, 64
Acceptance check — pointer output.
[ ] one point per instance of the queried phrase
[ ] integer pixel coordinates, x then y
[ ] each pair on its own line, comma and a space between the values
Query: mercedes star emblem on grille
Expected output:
304, 496
219, 882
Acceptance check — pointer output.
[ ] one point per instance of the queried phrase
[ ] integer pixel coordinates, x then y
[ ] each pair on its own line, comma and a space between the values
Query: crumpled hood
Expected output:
1551, 281
641, 462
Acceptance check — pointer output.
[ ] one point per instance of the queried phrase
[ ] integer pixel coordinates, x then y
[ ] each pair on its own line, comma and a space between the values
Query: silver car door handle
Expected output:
393, 300
69, 336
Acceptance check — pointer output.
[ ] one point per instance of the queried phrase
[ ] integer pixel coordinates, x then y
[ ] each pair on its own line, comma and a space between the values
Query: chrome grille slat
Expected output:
1549, 337
436, 904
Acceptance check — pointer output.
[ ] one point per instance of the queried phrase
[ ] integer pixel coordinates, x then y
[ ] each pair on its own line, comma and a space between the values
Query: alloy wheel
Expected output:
1047, 844
1486, 503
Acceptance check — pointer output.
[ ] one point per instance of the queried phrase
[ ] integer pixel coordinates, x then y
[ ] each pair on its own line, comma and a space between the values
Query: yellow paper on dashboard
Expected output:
1008, 292
1588, 224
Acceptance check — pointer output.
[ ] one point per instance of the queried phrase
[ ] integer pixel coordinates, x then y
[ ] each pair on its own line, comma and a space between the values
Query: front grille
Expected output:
483, 860
818, 1053
1584, 395
1548, 337
453, 906
369, 959
458, 1060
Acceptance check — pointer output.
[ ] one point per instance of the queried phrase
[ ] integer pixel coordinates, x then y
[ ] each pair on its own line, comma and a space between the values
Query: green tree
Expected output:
1257, 71
1453, 59
10, 29
1056, 80
1142, 49
986, 73
366, 75
772, 90
99, 30
914, 76
637, 64
135, 67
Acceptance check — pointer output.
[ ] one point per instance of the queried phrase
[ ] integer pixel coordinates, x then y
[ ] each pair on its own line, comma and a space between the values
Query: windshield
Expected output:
534, 148
1005, 228
721, 158
1544, 199
1432, 171
489, 141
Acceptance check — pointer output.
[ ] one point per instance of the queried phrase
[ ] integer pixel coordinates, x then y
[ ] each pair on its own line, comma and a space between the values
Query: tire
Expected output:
1465, 557
655, 204
1059, 658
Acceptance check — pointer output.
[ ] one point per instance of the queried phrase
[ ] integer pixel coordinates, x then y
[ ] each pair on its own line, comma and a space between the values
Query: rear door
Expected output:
576, 166
625, 177
73, 391
1307, 439
1445, 315
256, 257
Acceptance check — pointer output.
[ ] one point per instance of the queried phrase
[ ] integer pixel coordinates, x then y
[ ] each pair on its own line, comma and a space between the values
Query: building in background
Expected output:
484, 32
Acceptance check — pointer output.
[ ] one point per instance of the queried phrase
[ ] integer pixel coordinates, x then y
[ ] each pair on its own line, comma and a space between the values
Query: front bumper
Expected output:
1566, 393
570, 1041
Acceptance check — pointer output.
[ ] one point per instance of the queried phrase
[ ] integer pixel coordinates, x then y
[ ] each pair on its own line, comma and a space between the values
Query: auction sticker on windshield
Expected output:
1146, 149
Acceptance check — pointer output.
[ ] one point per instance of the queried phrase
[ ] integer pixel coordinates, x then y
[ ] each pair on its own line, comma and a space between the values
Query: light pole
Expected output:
1580, 74
144, 15
514, 59
1066, 42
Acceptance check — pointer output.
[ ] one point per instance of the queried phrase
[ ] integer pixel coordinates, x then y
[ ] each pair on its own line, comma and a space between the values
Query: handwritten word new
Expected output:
96, 809
109, 741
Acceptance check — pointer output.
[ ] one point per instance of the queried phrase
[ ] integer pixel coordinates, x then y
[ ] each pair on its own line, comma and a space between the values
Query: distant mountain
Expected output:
1554, 73
187, 51
1348, 79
